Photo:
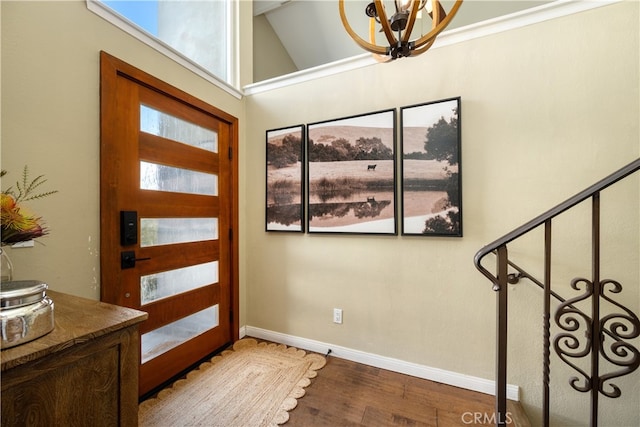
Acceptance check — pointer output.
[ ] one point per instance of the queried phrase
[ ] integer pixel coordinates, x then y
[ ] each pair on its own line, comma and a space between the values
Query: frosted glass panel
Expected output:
168, 231
162, 285
161, 340
167, 126
167, 178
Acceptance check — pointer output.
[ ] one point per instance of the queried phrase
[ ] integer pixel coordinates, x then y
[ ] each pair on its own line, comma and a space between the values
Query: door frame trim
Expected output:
111, 68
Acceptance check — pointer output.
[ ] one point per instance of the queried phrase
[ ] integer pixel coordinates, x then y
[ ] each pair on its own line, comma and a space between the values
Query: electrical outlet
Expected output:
337, 315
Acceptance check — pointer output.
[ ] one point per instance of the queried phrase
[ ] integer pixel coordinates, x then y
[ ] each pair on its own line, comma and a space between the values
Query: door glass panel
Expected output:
167, 178
168, 231
168, 283
161, 340
167, 126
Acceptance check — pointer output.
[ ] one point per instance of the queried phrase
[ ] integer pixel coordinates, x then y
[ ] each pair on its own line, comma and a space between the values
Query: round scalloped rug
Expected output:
251, 385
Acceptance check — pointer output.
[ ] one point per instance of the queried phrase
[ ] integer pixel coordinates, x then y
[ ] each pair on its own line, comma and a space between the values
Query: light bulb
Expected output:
403, 5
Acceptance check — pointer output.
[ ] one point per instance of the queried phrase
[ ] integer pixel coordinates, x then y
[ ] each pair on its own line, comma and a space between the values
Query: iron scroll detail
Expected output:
568, 345
614, 333
622, 328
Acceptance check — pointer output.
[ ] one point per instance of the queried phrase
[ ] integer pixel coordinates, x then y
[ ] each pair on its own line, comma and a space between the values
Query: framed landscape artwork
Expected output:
285, 184
431, 191
352, 174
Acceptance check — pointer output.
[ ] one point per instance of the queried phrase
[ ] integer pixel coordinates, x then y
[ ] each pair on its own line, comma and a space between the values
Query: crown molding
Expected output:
535, 15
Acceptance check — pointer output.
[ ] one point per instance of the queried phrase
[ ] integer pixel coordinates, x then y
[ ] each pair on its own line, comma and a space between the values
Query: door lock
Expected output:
128, 228
128, 259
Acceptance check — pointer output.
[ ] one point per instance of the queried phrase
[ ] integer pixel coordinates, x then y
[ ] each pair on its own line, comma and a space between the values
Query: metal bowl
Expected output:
26, 313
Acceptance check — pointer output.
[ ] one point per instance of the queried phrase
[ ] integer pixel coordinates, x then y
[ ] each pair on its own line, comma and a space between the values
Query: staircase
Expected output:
594, 334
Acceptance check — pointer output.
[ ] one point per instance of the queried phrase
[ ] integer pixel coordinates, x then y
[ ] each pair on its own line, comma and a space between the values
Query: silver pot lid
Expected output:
19, 293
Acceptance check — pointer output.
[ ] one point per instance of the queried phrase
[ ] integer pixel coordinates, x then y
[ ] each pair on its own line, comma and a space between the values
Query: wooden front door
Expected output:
168, 210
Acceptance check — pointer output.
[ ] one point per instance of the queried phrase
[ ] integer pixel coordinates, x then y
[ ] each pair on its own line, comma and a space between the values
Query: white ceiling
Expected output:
312, 33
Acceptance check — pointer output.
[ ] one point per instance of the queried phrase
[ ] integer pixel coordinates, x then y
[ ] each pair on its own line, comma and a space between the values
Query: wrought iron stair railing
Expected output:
620, 328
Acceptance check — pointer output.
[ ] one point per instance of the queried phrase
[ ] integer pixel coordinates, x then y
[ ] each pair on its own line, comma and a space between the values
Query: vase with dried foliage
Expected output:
17, 223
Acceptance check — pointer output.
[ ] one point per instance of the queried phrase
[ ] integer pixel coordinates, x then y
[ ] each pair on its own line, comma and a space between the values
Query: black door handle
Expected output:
128, 259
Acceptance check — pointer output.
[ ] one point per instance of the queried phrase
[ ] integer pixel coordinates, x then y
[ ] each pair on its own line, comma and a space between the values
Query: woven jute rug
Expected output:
255, 384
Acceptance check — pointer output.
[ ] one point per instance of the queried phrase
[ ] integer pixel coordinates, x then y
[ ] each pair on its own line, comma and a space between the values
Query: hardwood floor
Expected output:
346, 393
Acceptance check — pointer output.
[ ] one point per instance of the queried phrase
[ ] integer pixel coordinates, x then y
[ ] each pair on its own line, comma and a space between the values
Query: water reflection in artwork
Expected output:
285, 170
431, 196
351, 170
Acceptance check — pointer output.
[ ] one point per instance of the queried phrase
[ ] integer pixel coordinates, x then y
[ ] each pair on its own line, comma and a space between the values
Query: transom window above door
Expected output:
198, 34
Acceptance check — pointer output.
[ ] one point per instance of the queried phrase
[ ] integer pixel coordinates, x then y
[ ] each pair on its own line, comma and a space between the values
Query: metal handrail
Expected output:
594, 288
541, 219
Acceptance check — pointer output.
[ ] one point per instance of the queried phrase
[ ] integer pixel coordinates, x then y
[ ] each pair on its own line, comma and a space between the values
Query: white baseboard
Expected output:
396, 365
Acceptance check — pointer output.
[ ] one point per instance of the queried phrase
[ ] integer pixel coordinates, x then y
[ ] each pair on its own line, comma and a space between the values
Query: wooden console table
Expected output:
83, 373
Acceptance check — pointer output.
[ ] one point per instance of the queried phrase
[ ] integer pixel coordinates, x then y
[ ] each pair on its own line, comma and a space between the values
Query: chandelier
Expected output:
397, 29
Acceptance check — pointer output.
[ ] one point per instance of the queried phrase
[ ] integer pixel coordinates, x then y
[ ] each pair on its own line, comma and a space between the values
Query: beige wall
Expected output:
270, 59
51, 122
546, 111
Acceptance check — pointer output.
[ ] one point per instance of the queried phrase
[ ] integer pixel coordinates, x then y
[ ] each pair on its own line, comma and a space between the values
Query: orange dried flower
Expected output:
16, 224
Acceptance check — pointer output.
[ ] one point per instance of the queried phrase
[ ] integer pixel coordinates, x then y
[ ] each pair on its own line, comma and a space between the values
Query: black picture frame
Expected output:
351, 174
431, 184
285, 172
